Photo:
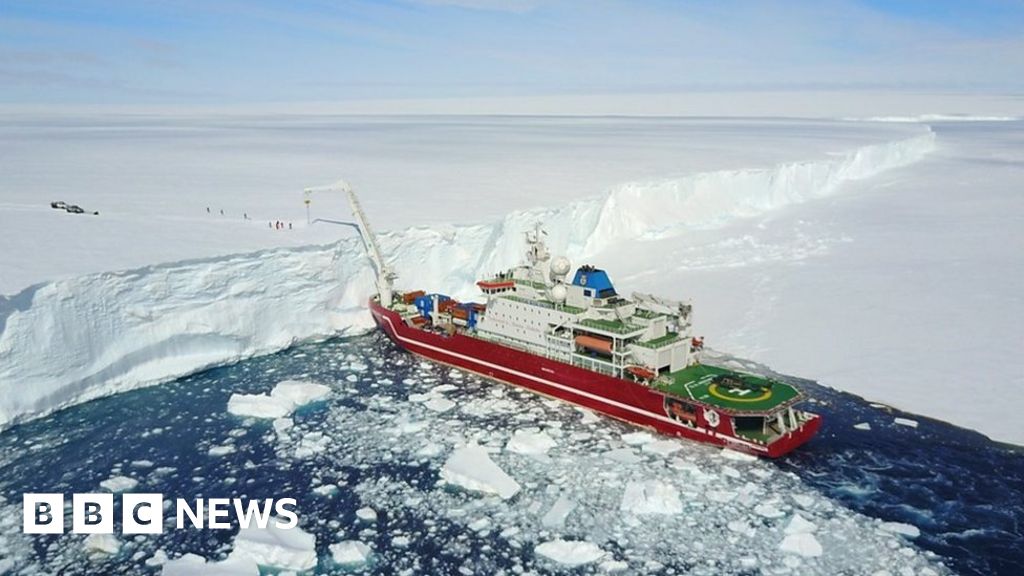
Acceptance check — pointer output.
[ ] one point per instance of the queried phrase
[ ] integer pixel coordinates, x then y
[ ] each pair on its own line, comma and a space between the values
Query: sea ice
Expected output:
906, 422
651, 497
623, 456
439, 404
282, 400
119, 484
570, 552
470, 467
300, 393
559, 511
800, 525
287, 549
258, 406
350, 552
367, 514
862, 426
908, 530
530, 442
191, 565
220, 450
662, 447
802, 544
104, 544
637, 438
768, 510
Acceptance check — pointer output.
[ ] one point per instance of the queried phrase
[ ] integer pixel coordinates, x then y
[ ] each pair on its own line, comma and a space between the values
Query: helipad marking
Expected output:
713, 389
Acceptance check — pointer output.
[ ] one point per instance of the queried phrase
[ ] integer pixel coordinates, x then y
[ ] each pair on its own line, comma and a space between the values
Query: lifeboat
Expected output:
594, 343
641, 372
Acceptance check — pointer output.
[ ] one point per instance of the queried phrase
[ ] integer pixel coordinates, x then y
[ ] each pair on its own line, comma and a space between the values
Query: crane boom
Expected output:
385, 276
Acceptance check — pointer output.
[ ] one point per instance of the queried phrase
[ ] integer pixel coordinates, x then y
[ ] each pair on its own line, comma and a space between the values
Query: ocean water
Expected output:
379, 441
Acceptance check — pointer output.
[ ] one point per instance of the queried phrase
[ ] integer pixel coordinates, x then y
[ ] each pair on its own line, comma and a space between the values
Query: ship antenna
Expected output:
385, 276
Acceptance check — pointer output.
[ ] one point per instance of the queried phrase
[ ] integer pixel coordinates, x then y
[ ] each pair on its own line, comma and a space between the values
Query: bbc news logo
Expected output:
144, 513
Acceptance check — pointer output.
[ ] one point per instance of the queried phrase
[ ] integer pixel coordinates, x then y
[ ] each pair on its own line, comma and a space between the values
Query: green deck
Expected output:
696, 382
613, 326
669, 338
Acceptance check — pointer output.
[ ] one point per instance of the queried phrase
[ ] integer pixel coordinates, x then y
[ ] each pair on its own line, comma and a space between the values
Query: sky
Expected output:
188, 52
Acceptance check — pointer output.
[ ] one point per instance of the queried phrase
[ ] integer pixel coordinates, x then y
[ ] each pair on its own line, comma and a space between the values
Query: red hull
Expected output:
615, 397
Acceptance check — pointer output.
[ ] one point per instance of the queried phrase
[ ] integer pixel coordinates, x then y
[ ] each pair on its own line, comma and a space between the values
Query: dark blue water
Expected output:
965, 493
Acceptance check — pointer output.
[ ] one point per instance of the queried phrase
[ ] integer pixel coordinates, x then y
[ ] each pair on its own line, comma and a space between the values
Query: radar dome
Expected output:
560, 267
558, 293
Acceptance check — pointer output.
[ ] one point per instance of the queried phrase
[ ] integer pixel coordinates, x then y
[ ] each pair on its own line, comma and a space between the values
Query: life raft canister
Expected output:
712, 418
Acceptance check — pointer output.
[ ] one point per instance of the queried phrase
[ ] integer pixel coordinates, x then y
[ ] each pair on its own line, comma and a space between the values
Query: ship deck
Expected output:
756, 395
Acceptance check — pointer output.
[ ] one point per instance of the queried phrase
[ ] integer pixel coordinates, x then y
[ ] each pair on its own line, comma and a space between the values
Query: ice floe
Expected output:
801, 544
102, 544
650, 497
569, 552
908, 530
350, 553
367, 514
119, 484
530, 442
282, 400
275, 547
470, 467
192, 565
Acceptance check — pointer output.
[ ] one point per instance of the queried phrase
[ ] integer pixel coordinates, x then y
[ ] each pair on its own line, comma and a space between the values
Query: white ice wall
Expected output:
73, 340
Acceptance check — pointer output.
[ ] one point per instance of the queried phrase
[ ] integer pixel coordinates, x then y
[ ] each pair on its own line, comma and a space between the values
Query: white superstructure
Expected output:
583, 320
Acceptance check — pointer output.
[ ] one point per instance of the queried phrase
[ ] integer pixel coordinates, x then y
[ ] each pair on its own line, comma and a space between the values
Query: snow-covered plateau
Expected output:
664, 230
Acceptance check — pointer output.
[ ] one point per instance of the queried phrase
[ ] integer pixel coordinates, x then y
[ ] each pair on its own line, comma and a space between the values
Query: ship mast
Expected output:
385, 276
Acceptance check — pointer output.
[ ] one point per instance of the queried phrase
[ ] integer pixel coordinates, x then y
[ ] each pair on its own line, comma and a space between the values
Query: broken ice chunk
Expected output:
862, 426
439, 404
216, 451
350, 553
300, 393
102, 544
559, 511
622, 455
637, 438
805, 545
906, 422
768, 511
367, 514
799, 525
651, 497
119, 484
908, 530
570, 552
258, 406
274, 547
191, 564
662, 447
470, 467
530, 442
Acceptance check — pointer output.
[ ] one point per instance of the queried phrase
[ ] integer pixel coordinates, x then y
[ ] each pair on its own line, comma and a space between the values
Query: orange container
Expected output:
410, 297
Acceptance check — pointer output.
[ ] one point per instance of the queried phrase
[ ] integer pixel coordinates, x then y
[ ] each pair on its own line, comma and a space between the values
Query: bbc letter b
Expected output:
43, 513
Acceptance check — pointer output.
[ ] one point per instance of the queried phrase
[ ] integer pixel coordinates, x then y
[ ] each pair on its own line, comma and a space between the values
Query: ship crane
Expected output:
385, 276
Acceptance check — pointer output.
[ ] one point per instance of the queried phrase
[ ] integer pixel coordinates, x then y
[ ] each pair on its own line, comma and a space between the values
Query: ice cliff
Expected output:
69, 341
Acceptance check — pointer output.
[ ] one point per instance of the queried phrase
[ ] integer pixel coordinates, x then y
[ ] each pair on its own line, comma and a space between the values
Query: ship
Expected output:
571, 335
